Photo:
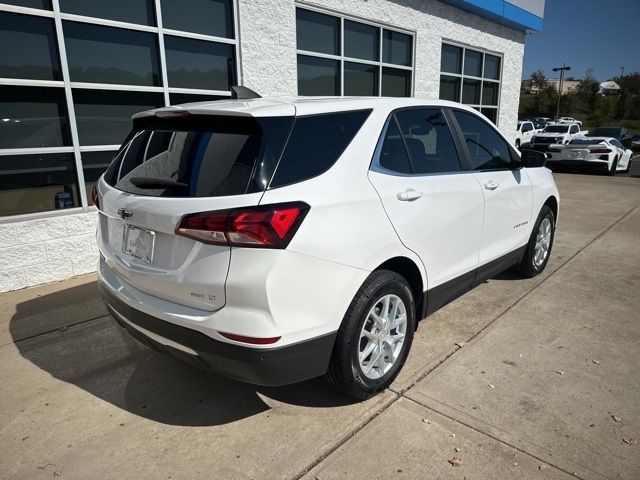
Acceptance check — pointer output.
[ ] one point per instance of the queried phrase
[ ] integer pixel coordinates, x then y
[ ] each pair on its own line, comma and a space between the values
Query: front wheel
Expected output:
375, 336
538, 250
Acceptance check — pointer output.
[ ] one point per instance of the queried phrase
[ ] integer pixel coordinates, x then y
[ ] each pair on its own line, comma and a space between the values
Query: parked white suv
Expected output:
276, 240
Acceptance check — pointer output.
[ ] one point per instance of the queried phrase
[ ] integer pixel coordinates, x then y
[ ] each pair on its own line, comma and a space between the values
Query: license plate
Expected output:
575, 154
138, 242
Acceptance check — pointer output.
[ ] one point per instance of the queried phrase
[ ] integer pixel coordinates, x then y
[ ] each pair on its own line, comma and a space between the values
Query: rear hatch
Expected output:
575, 152
585, 149
174, 166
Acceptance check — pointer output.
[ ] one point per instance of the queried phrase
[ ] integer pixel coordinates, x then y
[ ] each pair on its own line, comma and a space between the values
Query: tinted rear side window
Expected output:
428, 140
200, 158
315, 144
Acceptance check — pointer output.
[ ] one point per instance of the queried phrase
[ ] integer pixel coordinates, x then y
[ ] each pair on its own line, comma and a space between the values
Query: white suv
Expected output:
276, 240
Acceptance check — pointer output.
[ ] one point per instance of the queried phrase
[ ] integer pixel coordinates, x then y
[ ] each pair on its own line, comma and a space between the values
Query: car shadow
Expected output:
100, 357
508, 274
633, 173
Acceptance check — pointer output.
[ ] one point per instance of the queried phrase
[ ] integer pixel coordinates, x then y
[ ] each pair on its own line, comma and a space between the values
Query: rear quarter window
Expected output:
315, 144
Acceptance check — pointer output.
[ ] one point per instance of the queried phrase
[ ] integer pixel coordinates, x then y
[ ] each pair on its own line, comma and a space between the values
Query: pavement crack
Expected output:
348, 436
61, 328
503, 442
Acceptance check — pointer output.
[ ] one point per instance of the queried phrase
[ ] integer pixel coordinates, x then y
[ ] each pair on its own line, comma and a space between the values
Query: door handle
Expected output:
491, 185
409, 195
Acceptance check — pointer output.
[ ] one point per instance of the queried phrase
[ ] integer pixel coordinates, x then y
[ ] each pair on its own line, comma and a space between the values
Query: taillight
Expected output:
266, 226
599, 150
94, 197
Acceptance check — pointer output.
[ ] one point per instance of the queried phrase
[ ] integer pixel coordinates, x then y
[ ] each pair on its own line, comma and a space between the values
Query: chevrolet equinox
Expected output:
277, 240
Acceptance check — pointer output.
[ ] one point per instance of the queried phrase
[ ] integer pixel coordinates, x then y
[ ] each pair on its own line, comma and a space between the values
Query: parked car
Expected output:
553, 134
619, 133
635, 142
524, 133
541, 122
566, 120
605, 154
276, 240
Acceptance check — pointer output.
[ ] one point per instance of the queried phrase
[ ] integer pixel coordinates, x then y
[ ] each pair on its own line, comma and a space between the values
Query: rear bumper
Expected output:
261, 366
593, 164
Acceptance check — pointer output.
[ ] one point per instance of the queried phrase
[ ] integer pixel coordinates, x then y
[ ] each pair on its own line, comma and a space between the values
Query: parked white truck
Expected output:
555, 134
524, 132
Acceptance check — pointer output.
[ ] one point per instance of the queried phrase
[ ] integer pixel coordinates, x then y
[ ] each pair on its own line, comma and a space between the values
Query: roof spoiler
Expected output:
242, 93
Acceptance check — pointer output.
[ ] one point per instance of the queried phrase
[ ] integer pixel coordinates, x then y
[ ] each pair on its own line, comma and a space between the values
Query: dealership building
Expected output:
72, 72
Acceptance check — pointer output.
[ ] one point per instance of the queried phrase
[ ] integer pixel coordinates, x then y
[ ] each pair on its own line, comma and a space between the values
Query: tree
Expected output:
539, 80
546, 101
587, 92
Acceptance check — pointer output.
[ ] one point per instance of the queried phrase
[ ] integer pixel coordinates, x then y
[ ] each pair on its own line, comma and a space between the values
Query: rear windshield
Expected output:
210, 157
556, 129
220, 156
585, 141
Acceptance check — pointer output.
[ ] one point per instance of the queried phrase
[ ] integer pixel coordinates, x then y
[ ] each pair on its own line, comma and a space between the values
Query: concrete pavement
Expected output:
80, 398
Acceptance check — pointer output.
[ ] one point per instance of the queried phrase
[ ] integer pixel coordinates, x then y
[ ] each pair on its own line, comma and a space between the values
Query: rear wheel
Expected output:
614, 167
538, 250
375, 336
628, 169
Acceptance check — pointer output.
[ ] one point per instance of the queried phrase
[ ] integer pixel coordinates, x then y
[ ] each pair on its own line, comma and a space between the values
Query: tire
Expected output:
531, 265
346, 371
628, 169
614, 167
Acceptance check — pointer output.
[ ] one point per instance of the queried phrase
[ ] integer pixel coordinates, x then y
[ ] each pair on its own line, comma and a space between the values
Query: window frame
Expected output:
462, 76
461, 150
342, 58
65, 83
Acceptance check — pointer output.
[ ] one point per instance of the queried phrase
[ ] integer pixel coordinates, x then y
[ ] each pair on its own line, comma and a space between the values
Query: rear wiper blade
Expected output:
151, 183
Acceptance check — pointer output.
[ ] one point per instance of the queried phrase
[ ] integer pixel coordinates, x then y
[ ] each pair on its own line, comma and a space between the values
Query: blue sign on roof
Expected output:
520, 14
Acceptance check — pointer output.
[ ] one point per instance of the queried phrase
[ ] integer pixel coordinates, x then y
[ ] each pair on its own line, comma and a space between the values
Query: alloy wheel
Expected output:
543, 243
382, 336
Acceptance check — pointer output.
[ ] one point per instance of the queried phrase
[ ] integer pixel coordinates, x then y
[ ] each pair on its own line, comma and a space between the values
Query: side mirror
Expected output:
533, 158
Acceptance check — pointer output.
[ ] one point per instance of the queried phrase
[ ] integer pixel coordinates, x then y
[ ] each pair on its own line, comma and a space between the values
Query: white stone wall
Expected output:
46, 250
268, 46
268, 43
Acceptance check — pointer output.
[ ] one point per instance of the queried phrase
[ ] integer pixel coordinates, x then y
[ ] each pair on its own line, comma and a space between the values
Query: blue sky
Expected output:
598, 34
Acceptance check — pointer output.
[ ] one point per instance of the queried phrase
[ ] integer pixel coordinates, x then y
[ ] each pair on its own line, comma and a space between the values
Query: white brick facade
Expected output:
268, 43
46, 250
50, 249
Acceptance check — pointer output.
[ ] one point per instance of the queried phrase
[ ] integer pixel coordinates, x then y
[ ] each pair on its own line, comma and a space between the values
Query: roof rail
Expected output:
239, 92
